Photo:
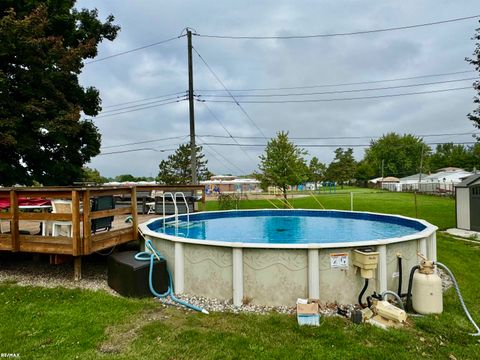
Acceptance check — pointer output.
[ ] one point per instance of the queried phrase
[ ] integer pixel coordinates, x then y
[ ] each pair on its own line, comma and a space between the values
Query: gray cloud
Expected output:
273, 63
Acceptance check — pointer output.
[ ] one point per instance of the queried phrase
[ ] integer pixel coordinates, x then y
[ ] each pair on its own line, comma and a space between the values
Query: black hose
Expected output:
369, 301
410, 284
400, 276
361, 293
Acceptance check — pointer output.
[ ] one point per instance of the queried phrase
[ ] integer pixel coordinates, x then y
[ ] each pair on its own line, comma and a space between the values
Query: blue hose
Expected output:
146, 256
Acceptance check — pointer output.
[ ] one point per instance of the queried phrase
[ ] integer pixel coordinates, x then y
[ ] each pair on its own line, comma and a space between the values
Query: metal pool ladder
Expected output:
182, 195
174, 200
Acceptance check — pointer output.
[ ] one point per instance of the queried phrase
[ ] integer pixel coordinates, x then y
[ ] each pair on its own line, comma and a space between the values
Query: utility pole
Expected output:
383, 162
193, 148
421, 166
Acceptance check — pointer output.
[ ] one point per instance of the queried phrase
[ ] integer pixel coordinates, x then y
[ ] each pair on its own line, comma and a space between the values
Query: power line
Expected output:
226, 130
292, 88
143, 108
263, 145
135, 49
141, 105
338, 137
145, 99
335, 145
343, 84
336, 34
292, 138
233, 166
339, 91
228, 91
334, 99
135, 150
145, 141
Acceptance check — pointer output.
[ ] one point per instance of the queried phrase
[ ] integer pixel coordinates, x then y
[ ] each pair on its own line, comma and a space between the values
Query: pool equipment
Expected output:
424, 293
150, 256
388, 311
129, 277
427, 289
366, 260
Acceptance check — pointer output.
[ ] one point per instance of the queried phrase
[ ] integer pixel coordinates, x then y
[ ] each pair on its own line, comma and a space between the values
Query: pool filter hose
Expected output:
467, 313
408, 306
392, 293
146, 256
362, 292
400, 276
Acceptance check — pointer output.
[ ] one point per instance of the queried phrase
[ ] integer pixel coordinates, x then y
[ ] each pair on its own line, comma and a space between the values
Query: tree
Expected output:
364, 171
177, 169
466, 157
283, 164
316, 171
92, 176
401, 155
42, 48
125, 178
475, 61
342, 168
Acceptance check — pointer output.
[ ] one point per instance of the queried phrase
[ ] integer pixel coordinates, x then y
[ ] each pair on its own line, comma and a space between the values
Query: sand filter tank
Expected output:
427, 289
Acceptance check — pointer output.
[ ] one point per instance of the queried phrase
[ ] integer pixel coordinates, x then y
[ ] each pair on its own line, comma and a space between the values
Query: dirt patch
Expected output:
122, 335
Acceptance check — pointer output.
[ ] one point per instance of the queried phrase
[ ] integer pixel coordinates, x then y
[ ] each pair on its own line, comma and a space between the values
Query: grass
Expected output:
439, 211
58, 323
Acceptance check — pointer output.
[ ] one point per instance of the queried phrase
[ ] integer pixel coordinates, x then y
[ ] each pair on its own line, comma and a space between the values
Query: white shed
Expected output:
467, 203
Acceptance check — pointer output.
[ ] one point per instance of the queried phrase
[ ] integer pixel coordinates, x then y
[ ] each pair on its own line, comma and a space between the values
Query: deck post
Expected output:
77, 268
133, 196
14, 227
87, 231
203, 199
76, 240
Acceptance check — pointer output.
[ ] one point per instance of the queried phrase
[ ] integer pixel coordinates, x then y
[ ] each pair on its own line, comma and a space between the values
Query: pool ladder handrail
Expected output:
182, 195
174, 200
174, 204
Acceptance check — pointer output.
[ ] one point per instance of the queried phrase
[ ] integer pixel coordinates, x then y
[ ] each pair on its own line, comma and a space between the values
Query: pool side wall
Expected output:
278, 276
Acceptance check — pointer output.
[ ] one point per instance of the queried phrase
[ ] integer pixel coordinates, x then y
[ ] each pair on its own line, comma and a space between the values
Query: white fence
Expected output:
439, 187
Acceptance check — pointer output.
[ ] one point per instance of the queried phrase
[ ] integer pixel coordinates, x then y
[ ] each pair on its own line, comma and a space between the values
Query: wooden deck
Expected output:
21, 231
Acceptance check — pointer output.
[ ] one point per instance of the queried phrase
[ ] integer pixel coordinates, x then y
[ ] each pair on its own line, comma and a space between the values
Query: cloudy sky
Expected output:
297, 66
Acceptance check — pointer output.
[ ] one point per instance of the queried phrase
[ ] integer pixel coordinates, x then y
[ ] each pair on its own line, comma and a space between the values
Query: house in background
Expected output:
230, 184
443, 181
390, 183
410, 183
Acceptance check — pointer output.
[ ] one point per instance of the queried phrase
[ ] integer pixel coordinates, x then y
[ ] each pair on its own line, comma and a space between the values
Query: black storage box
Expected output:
130, 277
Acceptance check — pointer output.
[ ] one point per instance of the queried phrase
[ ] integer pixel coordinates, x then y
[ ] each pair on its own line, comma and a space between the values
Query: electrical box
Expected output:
367, 260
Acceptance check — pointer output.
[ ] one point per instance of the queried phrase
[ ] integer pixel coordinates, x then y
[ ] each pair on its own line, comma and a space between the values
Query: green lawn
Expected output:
58, 323
439, 211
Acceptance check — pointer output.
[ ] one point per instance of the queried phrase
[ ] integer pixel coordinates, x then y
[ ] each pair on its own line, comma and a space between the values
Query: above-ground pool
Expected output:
273, 257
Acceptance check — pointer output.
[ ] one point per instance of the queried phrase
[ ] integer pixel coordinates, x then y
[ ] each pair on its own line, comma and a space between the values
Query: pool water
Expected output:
288, 226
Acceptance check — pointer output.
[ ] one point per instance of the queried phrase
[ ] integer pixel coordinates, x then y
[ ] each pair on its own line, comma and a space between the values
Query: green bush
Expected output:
228, 201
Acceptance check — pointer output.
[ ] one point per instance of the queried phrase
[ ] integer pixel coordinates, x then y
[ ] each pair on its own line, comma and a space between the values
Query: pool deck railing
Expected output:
15, 219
